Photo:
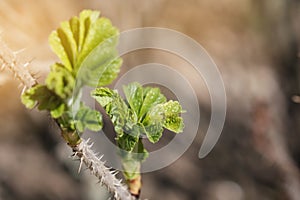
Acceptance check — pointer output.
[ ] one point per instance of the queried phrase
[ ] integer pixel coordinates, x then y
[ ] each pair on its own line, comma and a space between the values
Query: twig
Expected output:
8, 60
104, 174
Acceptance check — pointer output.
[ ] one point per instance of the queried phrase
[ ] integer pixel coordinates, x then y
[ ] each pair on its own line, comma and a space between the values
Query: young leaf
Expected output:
87, 118
154, 132
115, 107
134, 96
147, 112
173, 121
57, 112
88, 42
61, 81
152, 97
45, 99
127, 142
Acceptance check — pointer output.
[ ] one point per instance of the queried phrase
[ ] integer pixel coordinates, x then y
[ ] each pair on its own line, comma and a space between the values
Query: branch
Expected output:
8, 59
104, 174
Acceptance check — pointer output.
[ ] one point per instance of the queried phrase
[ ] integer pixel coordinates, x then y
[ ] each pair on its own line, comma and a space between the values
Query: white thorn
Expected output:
80, 165
91, 145
88, 140
26, 64
19, 51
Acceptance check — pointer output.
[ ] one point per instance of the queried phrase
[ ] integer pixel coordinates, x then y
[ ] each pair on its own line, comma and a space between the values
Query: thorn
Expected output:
91, 145
80, 165
26, 65
88, 140
2, 67
19, 51
74, 154
34, 74
115, 173
24, 89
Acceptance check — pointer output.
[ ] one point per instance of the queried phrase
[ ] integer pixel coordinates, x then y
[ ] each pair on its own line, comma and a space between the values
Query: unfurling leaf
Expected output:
86, 47
45, 99
123, 120
61, 81
172, 120
87, 118
146, 112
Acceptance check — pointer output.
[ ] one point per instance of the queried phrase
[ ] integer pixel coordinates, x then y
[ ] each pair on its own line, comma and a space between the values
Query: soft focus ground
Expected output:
256, 47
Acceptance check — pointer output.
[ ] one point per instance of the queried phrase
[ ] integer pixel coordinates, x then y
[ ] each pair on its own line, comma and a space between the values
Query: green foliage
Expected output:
145, 112
87, 118
86, 47
60, 81
89, 42
45, 99
122, 117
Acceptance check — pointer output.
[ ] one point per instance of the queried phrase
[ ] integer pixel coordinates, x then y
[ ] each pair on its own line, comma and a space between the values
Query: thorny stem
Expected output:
8, 59
98, 169
82, 149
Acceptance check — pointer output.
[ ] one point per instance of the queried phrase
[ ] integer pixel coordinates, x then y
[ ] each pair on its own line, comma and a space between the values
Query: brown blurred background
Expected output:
256, 47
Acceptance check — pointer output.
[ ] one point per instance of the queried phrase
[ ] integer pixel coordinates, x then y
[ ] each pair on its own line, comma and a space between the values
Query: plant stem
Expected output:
81, 148
135, 186
98, 169
8, 59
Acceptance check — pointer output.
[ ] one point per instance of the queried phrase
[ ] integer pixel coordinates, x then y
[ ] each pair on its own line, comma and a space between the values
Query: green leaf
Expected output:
173, 121
58, 48
114, 106
45, 99
88, 42
161, 116
127, 142
154, 132
152, 97
86, 118
110, 72
134, 96
153, 123
124, 119
146, 112
101, 66
61, 81
57, 112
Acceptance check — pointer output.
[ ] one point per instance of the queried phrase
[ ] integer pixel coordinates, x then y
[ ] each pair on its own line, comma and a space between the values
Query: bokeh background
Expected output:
254, 43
